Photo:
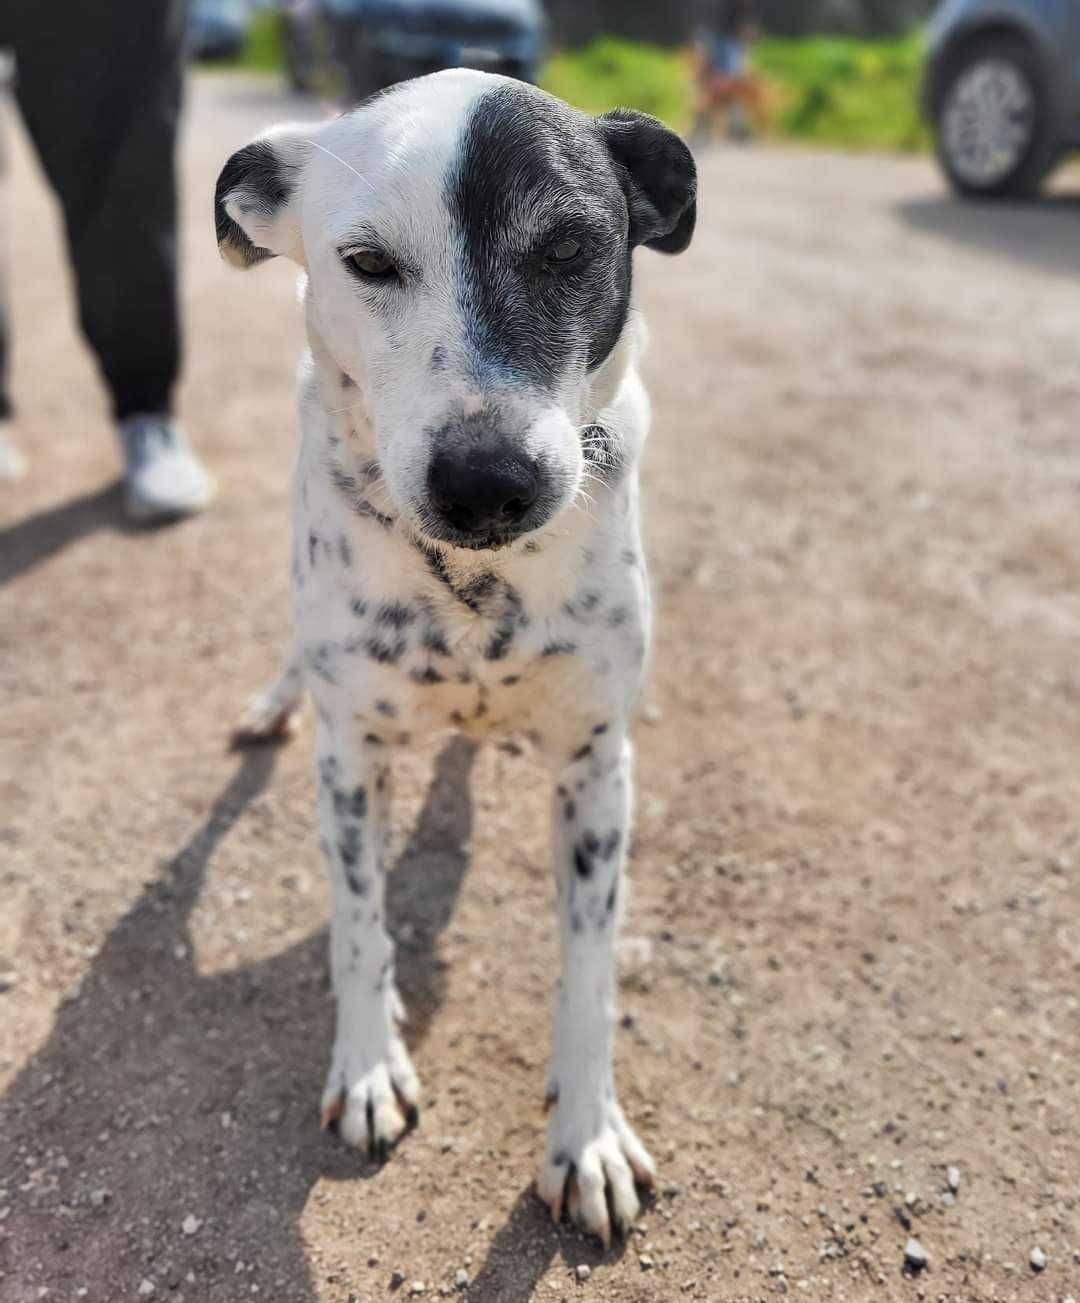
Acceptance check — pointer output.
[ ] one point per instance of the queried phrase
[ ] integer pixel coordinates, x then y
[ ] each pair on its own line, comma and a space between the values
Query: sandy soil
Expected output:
852, 953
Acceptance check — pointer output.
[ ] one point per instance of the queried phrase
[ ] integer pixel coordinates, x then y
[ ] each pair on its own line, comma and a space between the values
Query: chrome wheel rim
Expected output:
988, 122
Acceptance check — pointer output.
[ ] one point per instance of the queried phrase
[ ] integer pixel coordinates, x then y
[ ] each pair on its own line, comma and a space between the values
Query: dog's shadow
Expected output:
163, 1094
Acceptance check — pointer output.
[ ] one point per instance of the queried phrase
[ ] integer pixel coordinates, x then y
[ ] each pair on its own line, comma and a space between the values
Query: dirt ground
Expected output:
852, 953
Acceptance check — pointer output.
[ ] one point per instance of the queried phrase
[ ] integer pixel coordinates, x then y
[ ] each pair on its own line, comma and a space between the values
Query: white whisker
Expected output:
352, 169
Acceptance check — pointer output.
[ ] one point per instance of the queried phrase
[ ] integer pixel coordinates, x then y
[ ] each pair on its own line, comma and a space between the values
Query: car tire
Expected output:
992, 117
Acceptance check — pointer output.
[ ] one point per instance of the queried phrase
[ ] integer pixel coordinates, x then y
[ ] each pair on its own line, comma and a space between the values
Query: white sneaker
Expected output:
163, 479
12, 462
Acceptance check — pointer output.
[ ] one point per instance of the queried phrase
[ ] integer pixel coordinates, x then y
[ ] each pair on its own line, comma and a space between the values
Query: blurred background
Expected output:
850, 73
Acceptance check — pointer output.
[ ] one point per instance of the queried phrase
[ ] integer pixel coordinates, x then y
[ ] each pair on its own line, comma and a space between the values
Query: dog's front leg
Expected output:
593, 1158
371, 1090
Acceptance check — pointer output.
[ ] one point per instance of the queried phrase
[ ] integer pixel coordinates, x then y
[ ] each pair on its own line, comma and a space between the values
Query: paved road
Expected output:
853, 945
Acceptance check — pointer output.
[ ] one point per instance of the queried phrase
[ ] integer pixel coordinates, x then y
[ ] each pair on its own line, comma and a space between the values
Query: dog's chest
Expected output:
394, 642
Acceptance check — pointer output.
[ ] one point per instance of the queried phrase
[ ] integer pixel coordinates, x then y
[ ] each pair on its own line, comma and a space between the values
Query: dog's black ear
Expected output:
255, 211
659, 178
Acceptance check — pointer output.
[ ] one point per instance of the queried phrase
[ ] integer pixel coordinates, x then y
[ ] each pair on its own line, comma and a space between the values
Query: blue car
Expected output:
218, 28
375, 43
1002, 91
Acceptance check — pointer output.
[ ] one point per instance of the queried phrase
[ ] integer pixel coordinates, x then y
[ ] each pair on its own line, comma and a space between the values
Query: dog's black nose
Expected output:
481, 491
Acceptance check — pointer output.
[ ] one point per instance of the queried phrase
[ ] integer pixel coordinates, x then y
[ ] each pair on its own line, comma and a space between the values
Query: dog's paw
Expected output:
271, 716
592, 1167
373, 1101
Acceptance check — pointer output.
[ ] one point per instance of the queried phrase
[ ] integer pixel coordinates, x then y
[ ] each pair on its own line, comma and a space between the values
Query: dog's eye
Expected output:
563, 252
373, 265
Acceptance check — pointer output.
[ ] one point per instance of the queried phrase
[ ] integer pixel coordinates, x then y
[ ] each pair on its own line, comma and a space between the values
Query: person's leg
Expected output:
100, 91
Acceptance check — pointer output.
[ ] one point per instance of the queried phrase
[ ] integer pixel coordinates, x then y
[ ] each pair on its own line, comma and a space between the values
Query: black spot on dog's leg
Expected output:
313, 548
582, 752
570, 811
438, 358
386, 708
321, 659
347, 382
345, 551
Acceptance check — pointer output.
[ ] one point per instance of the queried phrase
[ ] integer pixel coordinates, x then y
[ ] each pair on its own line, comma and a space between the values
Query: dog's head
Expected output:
468, 241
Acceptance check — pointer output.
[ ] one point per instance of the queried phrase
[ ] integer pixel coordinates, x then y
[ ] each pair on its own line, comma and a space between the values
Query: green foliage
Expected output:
839, 91
263, 52
826, 90
612, 73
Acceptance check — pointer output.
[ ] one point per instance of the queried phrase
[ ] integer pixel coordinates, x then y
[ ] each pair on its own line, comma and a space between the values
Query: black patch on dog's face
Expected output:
534, 173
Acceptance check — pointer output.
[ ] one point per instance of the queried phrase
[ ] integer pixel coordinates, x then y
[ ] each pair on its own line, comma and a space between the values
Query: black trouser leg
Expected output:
99, 85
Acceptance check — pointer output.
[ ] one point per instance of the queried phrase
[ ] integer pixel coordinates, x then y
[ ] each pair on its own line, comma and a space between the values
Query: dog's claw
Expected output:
269, 719
331, 1111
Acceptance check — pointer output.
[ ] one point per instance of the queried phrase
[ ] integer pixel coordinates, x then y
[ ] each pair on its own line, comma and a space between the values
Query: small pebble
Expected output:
1037, 1259
915, 1256
952, 1175
645, 1262
584, 1272
461, 1278
191, 1224
146, 1288
397, 1278
417, 1287
99, 1198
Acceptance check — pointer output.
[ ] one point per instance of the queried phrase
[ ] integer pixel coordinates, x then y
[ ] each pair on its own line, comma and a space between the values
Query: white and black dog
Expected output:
466, 550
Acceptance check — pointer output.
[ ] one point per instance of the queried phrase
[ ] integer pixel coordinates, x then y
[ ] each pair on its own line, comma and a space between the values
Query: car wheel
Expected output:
994, 128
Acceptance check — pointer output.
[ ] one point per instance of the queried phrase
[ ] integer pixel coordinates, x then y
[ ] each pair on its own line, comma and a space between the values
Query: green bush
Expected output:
263, 50
837, 91
611, 73
826, 90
